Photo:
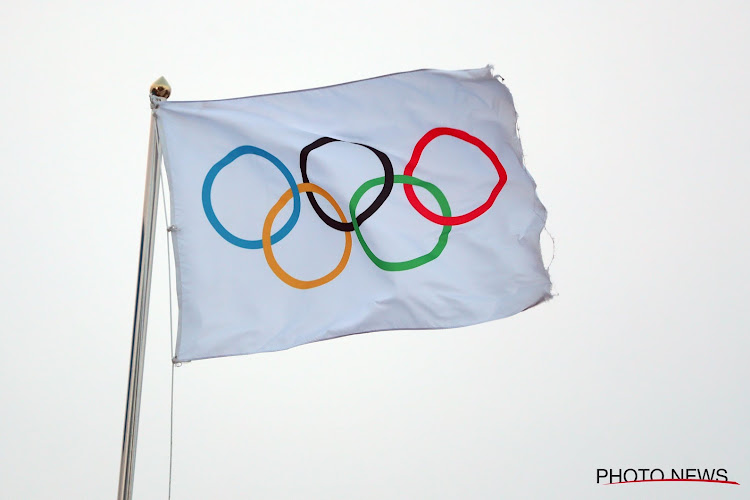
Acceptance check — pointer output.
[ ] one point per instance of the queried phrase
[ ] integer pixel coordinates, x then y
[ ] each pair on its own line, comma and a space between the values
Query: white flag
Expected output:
396, 202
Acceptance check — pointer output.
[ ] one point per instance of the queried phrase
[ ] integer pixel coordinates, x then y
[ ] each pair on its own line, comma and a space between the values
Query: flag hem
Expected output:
488, 69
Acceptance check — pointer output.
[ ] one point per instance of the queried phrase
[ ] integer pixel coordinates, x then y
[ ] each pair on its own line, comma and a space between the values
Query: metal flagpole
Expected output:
160, 90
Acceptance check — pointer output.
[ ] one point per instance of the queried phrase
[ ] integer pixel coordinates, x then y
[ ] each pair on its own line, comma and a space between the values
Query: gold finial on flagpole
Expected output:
161, 88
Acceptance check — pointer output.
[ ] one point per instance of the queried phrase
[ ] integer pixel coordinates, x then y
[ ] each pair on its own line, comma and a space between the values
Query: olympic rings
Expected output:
384, 193
209, 209
387, 181
418, 261
267, 243
458, 219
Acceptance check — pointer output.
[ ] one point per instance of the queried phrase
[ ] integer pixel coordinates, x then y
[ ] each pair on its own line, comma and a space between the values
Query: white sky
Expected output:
634, 118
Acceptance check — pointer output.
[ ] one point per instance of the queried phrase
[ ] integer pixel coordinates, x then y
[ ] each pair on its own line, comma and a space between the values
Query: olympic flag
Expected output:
396, 202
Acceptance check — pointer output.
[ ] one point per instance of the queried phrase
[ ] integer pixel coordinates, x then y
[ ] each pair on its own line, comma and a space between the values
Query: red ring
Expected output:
456, 219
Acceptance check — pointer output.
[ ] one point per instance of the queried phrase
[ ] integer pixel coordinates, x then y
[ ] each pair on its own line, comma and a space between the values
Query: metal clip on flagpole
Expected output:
160, 91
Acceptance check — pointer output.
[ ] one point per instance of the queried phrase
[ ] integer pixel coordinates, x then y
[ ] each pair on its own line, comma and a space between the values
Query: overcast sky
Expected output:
634, 118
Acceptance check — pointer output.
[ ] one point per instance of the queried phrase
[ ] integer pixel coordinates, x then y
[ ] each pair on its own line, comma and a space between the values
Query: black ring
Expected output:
379, 200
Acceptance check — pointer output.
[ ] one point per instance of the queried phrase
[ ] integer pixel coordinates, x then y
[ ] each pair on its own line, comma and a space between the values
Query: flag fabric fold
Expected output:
396, 202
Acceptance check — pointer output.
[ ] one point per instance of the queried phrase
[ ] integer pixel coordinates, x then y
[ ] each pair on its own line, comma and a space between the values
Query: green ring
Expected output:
408, 264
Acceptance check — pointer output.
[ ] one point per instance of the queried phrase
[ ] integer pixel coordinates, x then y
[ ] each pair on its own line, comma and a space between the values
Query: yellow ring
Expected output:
306, 187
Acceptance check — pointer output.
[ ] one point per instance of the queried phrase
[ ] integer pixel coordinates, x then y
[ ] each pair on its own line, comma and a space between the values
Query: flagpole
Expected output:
159, 91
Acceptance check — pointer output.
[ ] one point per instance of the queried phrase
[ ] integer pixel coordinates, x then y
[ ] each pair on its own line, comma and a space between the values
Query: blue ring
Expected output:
209, 209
